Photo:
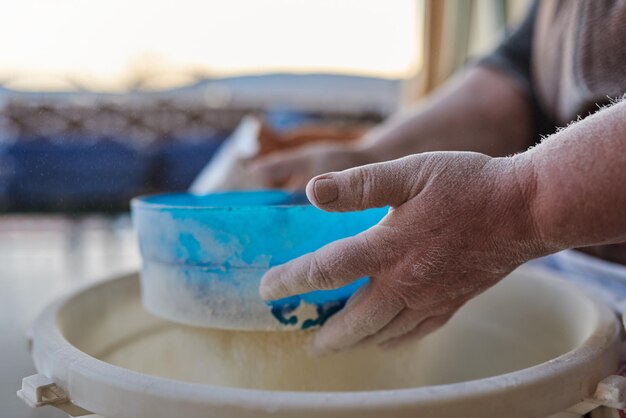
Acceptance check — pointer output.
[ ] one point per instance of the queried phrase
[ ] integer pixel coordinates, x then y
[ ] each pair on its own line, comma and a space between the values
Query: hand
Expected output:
459, 222
293, 168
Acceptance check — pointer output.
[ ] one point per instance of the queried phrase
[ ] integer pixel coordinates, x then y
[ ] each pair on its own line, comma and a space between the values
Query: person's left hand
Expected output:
459, 222
293, 168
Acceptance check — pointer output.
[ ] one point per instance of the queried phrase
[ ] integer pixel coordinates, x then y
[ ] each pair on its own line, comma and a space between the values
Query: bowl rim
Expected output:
143, 202
563, 380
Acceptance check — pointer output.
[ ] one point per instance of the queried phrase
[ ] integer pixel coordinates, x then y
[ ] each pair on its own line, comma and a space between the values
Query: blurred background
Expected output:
102, 101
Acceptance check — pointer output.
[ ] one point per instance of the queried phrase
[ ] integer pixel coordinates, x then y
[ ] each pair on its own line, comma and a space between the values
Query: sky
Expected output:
107, 45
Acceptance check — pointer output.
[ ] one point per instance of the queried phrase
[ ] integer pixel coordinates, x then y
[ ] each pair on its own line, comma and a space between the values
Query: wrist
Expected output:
518, 186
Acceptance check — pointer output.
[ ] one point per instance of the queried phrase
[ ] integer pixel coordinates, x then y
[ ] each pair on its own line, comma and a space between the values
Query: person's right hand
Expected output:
293, 168
459, 222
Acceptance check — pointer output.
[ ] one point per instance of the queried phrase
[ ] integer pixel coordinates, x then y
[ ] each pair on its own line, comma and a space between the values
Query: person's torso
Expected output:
579, 56
578, 65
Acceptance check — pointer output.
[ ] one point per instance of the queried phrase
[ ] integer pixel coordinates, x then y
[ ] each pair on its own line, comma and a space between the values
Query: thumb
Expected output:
370, 186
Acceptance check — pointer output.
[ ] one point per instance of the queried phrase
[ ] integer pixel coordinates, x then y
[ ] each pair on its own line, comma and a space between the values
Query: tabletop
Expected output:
41, 258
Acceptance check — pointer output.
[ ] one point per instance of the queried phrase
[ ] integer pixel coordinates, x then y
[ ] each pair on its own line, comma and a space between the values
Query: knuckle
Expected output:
371, 255
409, 323
356, 325
317, 277
434, 323
363, 185
382, 248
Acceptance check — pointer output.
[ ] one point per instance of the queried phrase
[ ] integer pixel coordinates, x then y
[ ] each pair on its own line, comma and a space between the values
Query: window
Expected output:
115, 45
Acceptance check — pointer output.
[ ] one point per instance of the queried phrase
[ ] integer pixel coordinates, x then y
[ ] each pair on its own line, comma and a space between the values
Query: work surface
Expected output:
40, 259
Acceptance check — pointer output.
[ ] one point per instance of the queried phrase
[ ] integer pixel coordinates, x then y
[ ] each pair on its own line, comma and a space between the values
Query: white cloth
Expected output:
226, 169
605, 279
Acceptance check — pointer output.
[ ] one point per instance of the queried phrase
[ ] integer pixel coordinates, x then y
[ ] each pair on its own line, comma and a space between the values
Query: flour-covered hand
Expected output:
459, 222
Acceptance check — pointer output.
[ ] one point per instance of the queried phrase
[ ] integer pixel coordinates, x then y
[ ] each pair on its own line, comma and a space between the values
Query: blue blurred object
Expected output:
181, 161
284, 119
203, 256
72, 174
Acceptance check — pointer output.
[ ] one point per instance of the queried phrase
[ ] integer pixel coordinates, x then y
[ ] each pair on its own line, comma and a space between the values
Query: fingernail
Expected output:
325, 191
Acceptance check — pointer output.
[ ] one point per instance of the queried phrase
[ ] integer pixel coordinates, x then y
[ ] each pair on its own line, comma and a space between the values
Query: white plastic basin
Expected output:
529, 347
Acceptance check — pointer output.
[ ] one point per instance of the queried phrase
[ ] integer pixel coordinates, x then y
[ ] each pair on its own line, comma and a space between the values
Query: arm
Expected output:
489, 108
459, 223
480, 110
579, 181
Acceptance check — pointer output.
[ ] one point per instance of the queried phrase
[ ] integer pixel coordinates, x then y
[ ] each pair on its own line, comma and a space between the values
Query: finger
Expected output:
277, 168
428, 326
369, 186
332, 266
406, 321
297, 181
369, 312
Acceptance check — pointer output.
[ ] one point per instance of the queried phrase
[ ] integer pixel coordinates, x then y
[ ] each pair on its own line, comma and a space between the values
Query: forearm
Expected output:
578, 180
480, 110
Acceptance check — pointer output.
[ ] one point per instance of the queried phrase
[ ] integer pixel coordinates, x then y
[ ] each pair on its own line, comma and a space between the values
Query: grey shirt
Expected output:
569, 56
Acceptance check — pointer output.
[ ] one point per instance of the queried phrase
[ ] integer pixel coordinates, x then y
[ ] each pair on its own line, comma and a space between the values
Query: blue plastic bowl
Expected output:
203, 256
